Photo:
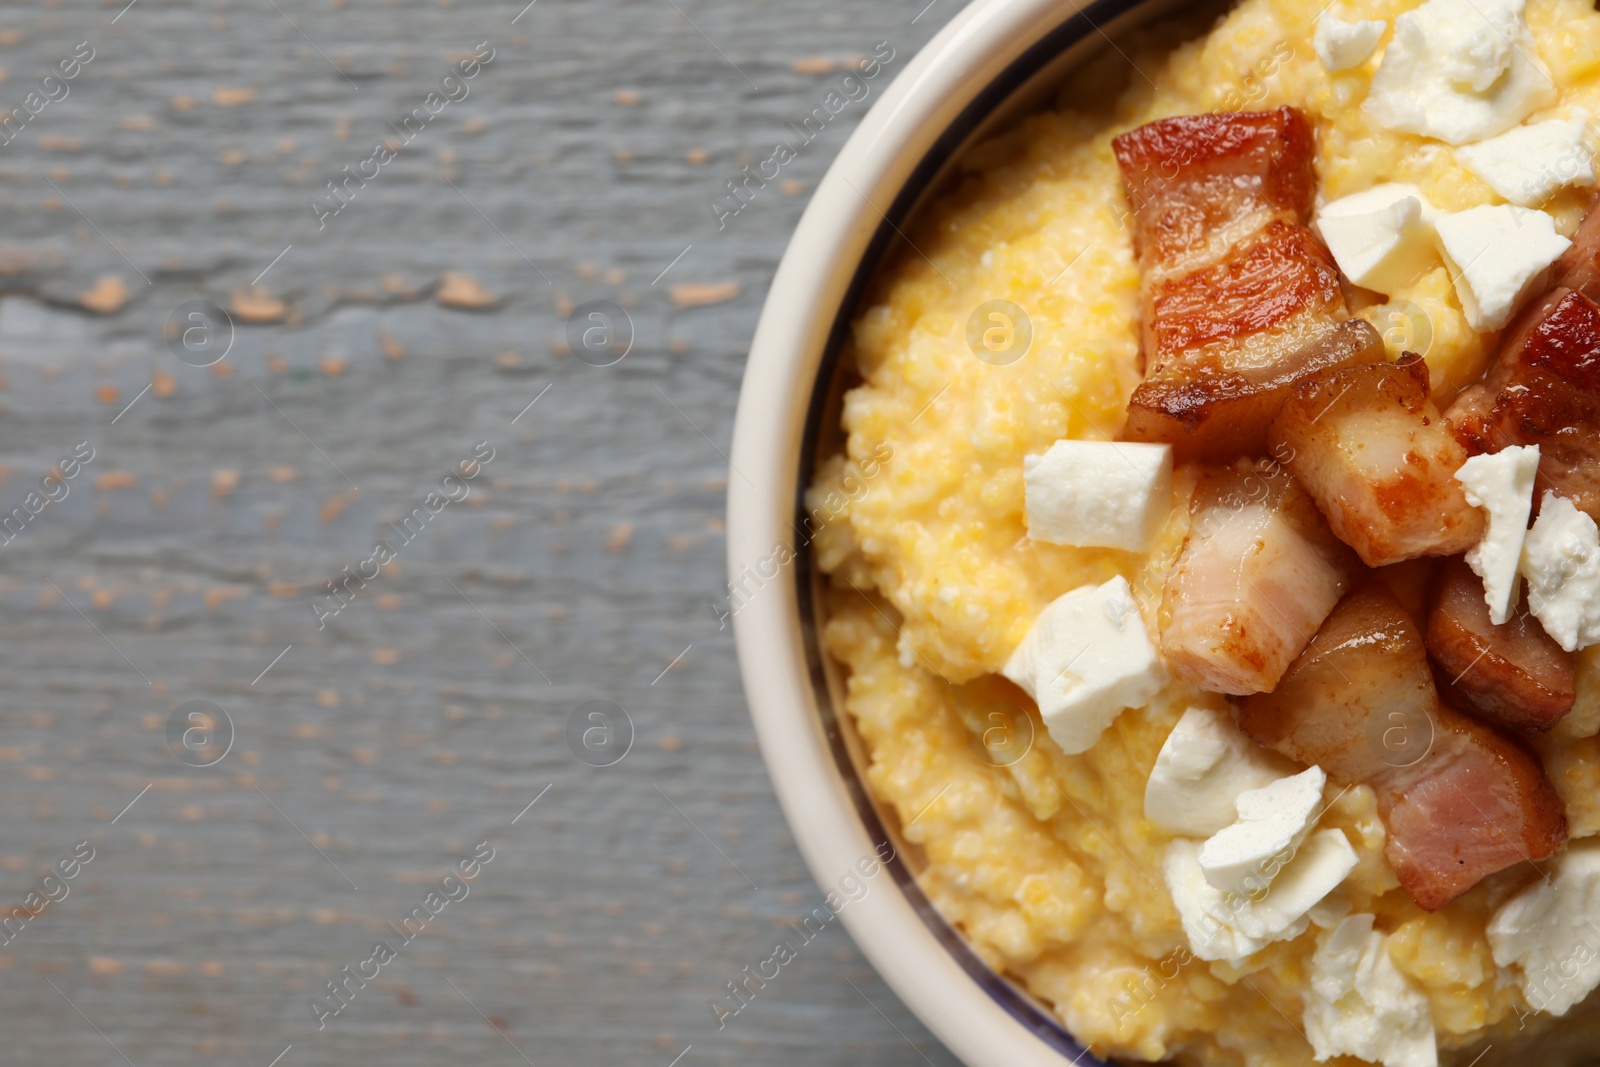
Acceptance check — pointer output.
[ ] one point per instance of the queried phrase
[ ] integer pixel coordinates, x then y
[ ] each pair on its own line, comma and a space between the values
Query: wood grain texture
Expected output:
418, 721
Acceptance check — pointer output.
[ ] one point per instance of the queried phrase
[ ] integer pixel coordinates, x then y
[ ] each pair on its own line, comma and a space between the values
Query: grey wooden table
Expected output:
349, 752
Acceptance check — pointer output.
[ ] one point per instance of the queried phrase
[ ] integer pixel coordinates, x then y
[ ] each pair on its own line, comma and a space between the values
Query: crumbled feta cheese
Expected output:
1381, 238
1561, 560
1223, 926
1502, 484
1098, 494
1204, 765
1360, 1005
1341, 45
1460, 70
1549, 932
1498, 256
1527, 164
1086, 658
1273, 822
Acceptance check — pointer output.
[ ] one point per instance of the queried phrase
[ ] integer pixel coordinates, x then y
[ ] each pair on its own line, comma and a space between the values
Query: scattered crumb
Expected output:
105, 965
333, 365
509, 360
138, 123
791, 187
670, 743
106, 296
231, 157
614, 276
620, 536
392, 348
458, 290
398, 286
813, 65
257, 305
282, 473
162, 383
55, 142
699, 294
183, 102
697, 156
233, 97
107, 394
627, 97
224, 481
386, 656
286, 146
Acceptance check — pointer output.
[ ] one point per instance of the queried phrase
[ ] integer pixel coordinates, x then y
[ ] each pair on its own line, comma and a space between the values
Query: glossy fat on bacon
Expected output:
1579, 266
1460, 799
1514, 675
1239, 298
1380, 461
1545, 385
1191, 177
1257, 575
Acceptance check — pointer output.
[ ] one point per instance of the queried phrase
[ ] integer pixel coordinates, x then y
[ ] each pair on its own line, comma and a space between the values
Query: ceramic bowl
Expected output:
996, 60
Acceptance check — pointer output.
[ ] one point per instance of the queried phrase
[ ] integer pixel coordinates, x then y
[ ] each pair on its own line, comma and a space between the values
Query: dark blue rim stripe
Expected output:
822, 425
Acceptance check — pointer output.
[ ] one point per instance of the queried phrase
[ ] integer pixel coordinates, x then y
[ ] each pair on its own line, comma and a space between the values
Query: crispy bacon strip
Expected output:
1461, 800
1545, 390
1240, 299
1256, 577
1379, 460
1514, 675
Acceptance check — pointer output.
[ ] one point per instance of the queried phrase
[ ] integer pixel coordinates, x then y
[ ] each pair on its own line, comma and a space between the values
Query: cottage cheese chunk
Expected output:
1204, 765
1550, 932
1341, 45
1273, 821
1360, 1005
1381, 238
1561, 560
1502, 484
1529, 163
1498, 256
1461, 71
1098, 494
1087, 658
1222, 926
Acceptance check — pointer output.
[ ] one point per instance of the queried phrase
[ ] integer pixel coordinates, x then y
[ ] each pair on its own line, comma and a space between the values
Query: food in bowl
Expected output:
1212, 561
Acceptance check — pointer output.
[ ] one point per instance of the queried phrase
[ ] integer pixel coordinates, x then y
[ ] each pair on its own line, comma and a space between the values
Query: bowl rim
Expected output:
942, 95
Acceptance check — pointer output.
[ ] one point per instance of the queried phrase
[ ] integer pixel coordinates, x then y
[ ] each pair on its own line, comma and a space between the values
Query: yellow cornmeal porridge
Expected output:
1048, 865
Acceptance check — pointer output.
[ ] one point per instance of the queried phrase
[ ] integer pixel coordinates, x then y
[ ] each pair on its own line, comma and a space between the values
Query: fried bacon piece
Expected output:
1579, 266
1461, 799
1545, 384
1240, 299
1257, 575
1514, 675
1380, 461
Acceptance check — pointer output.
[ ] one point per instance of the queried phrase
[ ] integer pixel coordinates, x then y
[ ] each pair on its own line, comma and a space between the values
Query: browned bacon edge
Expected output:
1460, 799
1513, 675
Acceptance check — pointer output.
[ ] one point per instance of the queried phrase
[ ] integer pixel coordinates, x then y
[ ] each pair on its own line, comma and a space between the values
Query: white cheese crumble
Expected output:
1341, 45
1359, 1004
1460, 70
1498, 256
1273, 822
1098, 494
1561, 561
1527, 164
1502, 484
1381, 238
1550, 933
1086, 658
1202, 768
1222, 926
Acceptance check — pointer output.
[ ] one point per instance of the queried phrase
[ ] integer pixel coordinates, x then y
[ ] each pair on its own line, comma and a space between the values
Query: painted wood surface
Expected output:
349, 752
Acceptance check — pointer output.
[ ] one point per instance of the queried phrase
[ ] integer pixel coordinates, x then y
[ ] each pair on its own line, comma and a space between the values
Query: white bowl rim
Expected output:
959, 65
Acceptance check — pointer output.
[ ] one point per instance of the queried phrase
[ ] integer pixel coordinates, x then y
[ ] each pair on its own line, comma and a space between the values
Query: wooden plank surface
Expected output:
374, 747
